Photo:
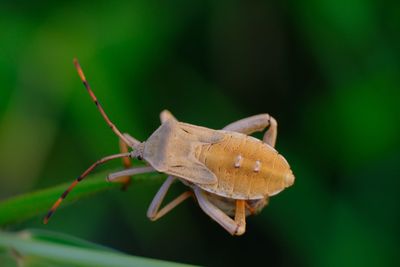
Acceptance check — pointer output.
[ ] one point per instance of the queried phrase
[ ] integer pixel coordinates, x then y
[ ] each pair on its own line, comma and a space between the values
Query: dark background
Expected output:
328, 71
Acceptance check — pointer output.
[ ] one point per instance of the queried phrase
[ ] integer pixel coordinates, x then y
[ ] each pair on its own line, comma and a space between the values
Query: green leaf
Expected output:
29, 251
25, 206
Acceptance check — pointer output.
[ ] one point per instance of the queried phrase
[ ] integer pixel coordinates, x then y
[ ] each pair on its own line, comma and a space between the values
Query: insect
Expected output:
229, 173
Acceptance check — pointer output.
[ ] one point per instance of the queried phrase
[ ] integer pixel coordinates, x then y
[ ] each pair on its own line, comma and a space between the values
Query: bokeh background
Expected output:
328, 71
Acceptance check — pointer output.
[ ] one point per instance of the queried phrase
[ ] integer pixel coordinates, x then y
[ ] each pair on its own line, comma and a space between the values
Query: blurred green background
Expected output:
328, 71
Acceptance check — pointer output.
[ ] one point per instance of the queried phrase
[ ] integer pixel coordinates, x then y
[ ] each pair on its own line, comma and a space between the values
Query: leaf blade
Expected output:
28, 205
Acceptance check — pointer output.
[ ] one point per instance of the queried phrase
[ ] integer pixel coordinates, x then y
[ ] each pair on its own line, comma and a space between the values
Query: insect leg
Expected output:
154, 212
126, 180
166, 115
234, 227
79, 179
116, 176
256, 123
240, 216
272, 132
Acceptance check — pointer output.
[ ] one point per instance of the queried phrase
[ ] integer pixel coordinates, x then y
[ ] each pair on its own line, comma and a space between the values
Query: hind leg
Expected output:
256, 123
235, 226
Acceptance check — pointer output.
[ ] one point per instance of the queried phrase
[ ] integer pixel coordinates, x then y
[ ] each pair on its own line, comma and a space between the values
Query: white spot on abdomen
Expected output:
257, 166
238, 161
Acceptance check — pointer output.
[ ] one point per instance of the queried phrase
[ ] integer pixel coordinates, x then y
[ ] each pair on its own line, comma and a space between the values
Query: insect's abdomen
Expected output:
246, 168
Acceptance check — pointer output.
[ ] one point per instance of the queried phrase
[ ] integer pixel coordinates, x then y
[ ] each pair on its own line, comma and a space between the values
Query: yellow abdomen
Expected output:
246, 168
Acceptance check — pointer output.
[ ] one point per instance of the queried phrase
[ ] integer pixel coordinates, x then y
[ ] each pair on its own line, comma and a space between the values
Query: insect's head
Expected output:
137, 152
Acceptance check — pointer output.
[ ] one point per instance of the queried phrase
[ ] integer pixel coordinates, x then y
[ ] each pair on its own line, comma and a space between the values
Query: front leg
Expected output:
125, 180
256, 123
116, 176
124, 148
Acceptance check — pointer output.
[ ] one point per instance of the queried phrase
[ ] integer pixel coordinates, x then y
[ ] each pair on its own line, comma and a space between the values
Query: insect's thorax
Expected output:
171, 149
246, 167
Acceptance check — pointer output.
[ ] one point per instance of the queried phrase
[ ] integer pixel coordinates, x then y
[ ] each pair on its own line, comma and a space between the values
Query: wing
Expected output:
172, 149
